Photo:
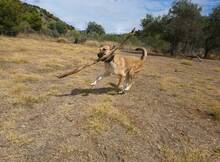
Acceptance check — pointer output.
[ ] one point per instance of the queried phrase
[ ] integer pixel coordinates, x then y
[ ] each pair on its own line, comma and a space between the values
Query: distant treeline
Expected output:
184, 30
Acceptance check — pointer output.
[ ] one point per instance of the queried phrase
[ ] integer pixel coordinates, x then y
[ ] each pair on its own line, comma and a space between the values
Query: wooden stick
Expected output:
78, 69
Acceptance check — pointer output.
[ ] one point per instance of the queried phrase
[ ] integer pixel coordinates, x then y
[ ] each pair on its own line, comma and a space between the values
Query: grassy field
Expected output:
172, 112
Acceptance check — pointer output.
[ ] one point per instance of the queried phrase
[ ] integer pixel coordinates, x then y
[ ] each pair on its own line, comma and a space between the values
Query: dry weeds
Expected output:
191, 155
102, 116
186, 62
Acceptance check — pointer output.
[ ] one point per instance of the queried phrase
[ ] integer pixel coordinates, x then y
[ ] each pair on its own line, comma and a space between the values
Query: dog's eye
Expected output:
104, 49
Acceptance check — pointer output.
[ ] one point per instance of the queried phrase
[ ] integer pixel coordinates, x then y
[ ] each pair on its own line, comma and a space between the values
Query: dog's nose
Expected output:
100, 54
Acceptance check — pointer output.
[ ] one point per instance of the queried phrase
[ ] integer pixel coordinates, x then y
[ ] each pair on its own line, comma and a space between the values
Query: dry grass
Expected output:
29, 99
18, 89
54, 66
15, 60
62, 40
200, 92
210, 79
27, 77
102, 115
10, 133
64, 151
170, 84
186, 62
53, 90
208, 96
214, 107
192, 155
17, 138
217, 69
92, 43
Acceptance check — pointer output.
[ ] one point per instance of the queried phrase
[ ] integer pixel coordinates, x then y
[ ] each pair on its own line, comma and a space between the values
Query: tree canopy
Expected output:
10, 16
94, 28
212, 31
183, 28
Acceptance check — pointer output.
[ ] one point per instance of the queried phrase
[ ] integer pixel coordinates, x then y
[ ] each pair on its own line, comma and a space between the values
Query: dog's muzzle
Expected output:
100, 55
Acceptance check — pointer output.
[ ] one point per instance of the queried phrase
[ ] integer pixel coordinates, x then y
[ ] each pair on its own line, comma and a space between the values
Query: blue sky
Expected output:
116, 16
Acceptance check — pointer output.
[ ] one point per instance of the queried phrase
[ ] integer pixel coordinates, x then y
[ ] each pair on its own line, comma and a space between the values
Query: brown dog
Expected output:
124, 68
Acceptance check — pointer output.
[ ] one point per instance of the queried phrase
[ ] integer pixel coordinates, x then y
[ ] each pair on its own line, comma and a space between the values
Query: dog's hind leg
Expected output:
125, 84
99, 78
128, 87
129, 80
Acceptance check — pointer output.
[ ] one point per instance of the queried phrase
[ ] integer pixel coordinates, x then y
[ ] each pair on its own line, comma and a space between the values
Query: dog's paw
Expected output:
120, 87
121, 92
93, 84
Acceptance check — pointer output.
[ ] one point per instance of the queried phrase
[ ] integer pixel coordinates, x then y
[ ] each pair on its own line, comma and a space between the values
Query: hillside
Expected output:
46, 16
18, 17
170, 114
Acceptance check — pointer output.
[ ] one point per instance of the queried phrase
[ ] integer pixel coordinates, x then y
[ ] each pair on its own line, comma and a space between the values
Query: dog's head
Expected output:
104, 50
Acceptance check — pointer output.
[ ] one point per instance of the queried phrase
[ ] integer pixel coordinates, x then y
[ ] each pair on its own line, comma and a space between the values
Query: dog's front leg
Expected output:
100, 78
124, 83
119, 81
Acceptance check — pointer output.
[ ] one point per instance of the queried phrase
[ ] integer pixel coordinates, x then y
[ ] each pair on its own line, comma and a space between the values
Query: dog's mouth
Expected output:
101, 54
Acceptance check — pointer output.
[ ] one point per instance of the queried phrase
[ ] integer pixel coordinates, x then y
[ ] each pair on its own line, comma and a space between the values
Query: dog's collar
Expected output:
109, 59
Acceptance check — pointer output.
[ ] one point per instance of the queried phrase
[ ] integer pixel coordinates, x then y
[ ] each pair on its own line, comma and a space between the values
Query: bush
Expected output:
60, 27
10, 16
34, 19
14, 17
24, 27
157, 43
112, 37
71, 35
57, 27
135, 41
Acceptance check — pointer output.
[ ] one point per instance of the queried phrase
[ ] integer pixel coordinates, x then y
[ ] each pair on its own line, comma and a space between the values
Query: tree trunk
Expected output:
206, 49
206, 54
173, 49
185, 47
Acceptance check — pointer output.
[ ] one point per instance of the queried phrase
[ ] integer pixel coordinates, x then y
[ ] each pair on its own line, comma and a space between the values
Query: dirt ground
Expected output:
171, 114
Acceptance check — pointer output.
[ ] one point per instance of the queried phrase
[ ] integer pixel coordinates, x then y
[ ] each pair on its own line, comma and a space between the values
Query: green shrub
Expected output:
24, 27
34, 19
72, 35
10, 16
57, 27
60, 27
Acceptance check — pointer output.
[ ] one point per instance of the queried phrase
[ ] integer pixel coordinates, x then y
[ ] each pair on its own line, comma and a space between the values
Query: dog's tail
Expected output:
144, 53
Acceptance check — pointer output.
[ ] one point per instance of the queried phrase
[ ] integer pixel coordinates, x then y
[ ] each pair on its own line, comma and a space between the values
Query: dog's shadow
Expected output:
97, 91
